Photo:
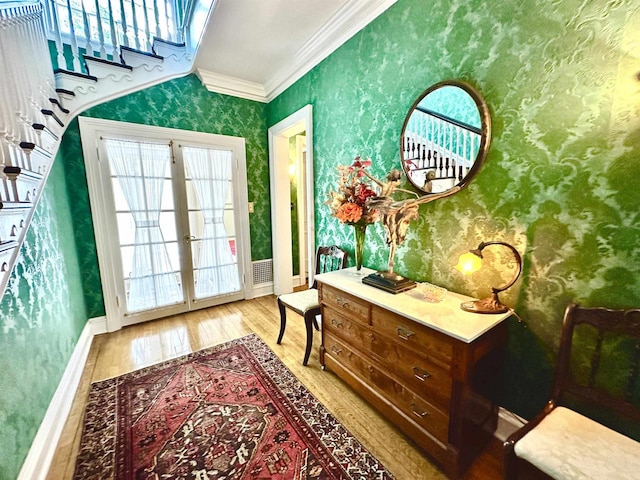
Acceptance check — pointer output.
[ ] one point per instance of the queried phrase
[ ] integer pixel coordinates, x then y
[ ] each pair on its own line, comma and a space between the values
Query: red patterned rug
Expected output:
231, 412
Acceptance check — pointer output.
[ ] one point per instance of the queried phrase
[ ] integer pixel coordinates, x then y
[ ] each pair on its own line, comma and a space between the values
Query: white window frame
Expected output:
91, 129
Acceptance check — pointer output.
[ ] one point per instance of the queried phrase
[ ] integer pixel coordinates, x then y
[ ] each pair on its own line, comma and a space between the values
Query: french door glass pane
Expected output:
145, 213
208, 173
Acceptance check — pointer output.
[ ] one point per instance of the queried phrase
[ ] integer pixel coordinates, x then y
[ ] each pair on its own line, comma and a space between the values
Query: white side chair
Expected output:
569, 439
305, 302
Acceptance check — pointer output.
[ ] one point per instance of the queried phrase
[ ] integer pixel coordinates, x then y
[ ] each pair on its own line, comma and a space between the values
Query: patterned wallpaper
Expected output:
183, 104
41, 317
561, 179
560, 182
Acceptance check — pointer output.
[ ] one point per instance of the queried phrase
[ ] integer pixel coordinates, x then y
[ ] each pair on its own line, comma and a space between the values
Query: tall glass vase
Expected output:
359, 231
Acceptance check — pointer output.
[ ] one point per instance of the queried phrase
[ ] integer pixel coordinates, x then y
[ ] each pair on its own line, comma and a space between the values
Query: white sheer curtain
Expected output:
140, 169
214, 264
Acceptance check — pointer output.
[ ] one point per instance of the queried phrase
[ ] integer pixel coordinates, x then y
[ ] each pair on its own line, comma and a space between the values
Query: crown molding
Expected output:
349, 20
346, 22
236, 87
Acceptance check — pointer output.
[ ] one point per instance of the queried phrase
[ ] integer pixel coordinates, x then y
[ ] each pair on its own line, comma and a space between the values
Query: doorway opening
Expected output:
292, 138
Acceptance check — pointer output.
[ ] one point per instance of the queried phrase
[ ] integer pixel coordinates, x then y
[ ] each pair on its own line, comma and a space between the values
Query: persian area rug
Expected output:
233, 411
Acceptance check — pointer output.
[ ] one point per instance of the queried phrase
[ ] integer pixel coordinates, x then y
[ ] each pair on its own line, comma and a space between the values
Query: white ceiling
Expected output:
257, 48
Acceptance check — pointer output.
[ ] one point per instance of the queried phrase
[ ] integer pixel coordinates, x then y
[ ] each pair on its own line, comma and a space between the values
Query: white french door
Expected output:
170, 234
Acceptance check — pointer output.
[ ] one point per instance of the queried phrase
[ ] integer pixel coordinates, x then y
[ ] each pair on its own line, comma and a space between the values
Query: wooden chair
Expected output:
305, 302
569, 439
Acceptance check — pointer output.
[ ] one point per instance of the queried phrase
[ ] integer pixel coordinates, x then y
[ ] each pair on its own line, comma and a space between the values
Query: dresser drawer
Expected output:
411, 334
416, 371
353, 333
350, 306
422, 412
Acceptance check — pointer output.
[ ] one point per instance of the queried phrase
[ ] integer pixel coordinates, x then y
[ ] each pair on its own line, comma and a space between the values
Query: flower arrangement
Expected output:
349, 203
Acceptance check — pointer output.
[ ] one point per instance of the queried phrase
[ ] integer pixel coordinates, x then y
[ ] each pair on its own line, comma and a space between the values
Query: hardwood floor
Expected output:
141, 345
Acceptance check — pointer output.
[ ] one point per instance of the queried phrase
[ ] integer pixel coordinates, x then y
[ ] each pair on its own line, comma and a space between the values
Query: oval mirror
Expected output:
445, 137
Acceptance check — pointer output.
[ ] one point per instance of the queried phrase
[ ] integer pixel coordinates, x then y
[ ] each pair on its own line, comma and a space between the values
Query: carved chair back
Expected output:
598, 366
329, 259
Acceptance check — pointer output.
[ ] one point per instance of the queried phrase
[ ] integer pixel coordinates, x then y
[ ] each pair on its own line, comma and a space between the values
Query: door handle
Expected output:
187, 238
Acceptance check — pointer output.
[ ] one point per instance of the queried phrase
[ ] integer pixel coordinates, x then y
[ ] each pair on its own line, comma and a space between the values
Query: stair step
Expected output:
24, 184
7, 206
137, 58
60, 71
38, 159
6, 252
165, 48
51, 114
57, 103
101, 68
68, 94
68, 81
48, 139
12, 221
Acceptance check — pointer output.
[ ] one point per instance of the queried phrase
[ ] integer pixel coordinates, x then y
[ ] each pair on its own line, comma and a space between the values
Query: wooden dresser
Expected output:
425, 366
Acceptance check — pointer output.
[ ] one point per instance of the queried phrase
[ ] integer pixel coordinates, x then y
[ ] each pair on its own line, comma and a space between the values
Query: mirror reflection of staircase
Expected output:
49, 78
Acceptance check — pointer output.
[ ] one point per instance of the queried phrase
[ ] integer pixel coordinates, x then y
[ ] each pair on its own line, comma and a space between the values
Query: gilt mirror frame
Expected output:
463, 174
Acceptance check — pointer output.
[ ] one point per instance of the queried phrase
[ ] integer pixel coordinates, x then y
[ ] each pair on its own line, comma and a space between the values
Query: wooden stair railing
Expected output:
36, 105
31, 124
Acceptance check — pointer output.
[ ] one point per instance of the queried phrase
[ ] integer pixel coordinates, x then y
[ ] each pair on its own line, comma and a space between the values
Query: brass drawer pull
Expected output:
336, 323
336, 350
420, 374
404, 334
342, 302
422, 414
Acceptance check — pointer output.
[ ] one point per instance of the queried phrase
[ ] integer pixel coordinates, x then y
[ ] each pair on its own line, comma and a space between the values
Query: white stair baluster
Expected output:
53, 8
74, 41
156, 16
123, 22
103, 49
112, 30
87, 30
148, 44
135, 24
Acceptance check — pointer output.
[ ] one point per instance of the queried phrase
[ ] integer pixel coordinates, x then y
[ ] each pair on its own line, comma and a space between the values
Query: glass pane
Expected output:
127, 261
192, 199
147, 235
196, 224
168, 226
174, 255
167, 195
229, 223
126, 228
118, 197
214, 248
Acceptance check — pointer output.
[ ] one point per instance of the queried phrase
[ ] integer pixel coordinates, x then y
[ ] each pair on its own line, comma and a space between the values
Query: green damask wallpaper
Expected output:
182, 104
561, 179
41, 317
560, 182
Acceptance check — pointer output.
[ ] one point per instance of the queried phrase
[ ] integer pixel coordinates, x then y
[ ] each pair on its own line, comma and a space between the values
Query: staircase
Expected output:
37, 101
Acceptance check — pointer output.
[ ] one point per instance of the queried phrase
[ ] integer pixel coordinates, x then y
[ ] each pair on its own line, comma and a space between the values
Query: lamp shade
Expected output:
469, 263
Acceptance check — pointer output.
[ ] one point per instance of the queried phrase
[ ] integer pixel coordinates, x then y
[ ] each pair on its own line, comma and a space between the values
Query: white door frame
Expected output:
301, 197
279, 134
91, 130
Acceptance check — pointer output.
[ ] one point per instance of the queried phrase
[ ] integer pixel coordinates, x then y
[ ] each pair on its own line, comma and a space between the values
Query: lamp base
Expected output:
487, 305
389, 282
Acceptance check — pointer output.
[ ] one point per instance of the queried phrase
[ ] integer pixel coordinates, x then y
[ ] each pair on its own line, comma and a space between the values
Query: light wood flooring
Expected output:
141, 345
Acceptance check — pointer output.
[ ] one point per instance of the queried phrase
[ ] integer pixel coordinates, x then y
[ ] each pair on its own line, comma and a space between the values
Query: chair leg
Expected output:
308, 322
283, 320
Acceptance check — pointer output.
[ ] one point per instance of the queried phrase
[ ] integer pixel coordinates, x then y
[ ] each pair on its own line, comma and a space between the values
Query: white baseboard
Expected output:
36, 465
508, 422
262, 289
